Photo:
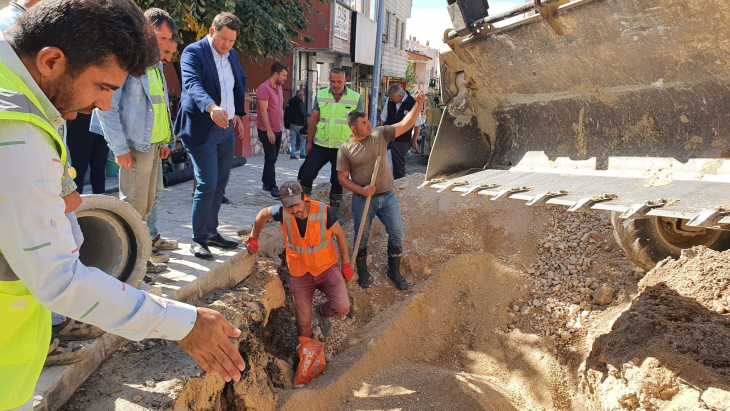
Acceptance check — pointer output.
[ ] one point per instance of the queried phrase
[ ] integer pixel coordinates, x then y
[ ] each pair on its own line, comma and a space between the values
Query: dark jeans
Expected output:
398, 153
386, 207
212, 165
317, 158
271, 153
87, 150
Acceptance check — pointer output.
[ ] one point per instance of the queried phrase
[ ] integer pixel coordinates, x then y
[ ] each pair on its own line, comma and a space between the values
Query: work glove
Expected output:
253, 245
347, 271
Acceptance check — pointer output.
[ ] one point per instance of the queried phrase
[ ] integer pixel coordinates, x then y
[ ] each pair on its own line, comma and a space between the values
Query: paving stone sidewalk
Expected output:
247, 198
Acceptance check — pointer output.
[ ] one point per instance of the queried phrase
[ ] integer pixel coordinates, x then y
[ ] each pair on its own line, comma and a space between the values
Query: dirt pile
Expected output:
158, 374
511, 308
535, 314
446, 346
671, 349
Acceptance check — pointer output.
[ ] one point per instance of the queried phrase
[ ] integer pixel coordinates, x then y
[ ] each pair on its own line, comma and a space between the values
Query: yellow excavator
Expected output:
617, 105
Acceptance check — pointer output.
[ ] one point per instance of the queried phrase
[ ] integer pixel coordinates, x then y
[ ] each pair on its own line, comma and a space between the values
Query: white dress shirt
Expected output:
227, 81
38, 243
384, 114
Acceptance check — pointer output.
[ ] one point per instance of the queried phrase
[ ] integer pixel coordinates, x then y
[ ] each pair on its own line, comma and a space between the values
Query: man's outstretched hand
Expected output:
419, 96
210, 347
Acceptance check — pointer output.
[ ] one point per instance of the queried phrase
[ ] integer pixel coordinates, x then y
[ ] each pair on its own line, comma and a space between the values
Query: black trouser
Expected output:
317, 158
398, 154
89, 151
271, 152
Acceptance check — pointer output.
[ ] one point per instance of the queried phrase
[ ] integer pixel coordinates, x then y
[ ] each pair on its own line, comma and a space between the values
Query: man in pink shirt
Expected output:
270, 123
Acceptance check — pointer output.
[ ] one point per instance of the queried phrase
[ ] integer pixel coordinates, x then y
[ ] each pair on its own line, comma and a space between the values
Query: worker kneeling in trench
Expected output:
309, 229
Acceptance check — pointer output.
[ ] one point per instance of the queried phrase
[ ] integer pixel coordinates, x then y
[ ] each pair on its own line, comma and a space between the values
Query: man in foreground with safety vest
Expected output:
49, 71
138, 129
309, 229
327, 131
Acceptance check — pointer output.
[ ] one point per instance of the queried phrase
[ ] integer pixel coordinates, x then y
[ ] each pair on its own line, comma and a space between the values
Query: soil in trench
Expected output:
511, 308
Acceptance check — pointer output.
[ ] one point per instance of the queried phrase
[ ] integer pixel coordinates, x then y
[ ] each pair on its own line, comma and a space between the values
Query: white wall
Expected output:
395, 58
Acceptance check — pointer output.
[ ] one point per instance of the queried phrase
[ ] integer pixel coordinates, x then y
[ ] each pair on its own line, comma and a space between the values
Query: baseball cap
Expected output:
290, 193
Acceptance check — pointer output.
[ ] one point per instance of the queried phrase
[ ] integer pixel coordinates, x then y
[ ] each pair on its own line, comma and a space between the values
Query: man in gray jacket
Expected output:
138, 129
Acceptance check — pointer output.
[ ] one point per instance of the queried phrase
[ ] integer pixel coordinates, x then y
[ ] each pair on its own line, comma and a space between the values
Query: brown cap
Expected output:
290, 193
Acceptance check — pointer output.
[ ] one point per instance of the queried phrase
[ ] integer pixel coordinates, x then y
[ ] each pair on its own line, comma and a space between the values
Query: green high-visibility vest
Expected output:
26, 329
162, 130
332, 129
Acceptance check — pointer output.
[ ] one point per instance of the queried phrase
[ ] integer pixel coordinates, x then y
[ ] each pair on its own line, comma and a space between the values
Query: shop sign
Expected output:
342, 22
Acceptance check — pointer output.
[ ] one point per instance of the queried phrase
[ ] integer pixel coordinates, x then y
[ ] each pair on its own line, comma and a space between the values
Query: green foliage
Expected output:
268, 25
411, 77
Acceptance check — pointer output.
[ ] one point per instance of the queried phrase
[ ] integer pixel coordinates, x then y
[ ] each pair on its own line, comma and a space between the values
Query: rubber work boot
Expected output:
307, 190
361, 263
325, 323
394, 256
335, 200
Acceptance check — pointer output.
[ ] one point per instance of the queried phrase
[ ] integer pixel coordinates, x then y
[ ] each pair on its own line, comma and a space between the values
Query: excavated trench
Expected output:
512, 308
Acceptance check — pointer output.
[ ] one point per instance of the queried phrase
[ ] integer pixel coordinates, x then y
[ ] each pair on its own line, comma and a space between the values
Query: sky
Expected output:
429, 19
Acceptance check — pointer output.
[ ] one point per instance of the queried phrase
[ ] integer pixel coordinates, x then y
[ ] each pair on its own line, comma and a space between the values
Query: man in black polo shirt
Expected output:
400, 103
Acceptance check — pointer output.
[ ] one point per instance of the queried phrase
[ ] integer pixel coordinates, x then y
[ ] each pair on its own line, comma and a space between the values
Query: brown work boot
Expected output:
155, 268
163, 244
158, 258
61, 353
72, 330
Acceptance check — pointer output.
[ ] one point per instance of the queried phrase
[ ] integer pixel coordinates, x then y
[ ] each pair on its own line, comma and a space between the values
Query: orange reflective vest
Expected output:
316, 252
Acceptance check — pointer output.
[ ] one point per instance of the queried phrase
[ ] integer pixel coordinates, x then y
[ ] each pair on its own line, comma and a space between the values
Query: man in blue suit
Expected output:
214, 92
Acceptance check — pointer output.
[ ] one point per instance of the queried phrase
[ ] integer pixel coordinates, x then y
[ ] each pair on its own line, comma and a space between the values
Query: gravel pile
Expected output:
568, 275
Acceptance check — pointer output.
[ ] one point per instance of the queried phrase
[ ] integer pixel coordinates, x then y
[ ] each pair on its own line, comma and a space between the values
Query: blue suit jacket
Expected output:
200, 88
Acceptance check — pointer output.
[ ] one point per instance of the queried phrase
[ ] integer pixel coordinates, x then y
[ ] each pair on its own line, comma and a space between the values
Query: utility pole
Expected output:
378, 63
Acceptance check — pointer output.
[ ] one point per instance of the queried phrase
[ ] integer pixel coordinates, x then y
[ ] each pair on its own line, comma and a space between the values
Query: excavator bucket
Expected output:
620, 105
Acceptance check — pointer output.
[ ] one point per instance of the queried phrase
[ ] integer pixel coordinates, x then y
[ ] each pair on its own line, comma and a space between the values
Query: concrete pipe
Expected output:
116, 240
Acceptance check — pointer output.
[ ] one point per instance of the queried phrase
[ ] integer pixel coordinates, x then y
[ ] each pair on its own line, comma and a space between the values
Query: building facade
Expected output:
427, 69
395, 57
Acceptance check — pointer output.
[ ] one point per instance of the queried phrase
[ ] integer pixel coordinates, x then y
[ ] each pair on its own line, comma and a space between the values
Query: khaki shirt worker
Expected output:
358, 158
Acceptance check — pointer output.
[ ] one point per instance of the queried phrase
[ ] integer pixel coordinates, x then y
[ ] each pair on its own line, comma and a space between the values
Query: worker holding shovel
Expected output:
371, 183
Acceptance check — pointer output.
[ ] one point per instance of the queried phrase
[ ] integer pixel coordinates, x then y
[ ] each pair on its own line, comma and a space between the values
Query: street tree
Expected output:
269, 26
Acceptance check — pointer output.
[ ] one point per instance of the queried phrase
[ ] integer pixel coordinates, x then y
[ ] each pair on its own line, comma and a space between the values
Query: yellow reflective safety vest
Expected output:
162, 130
332, 129
26, 329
